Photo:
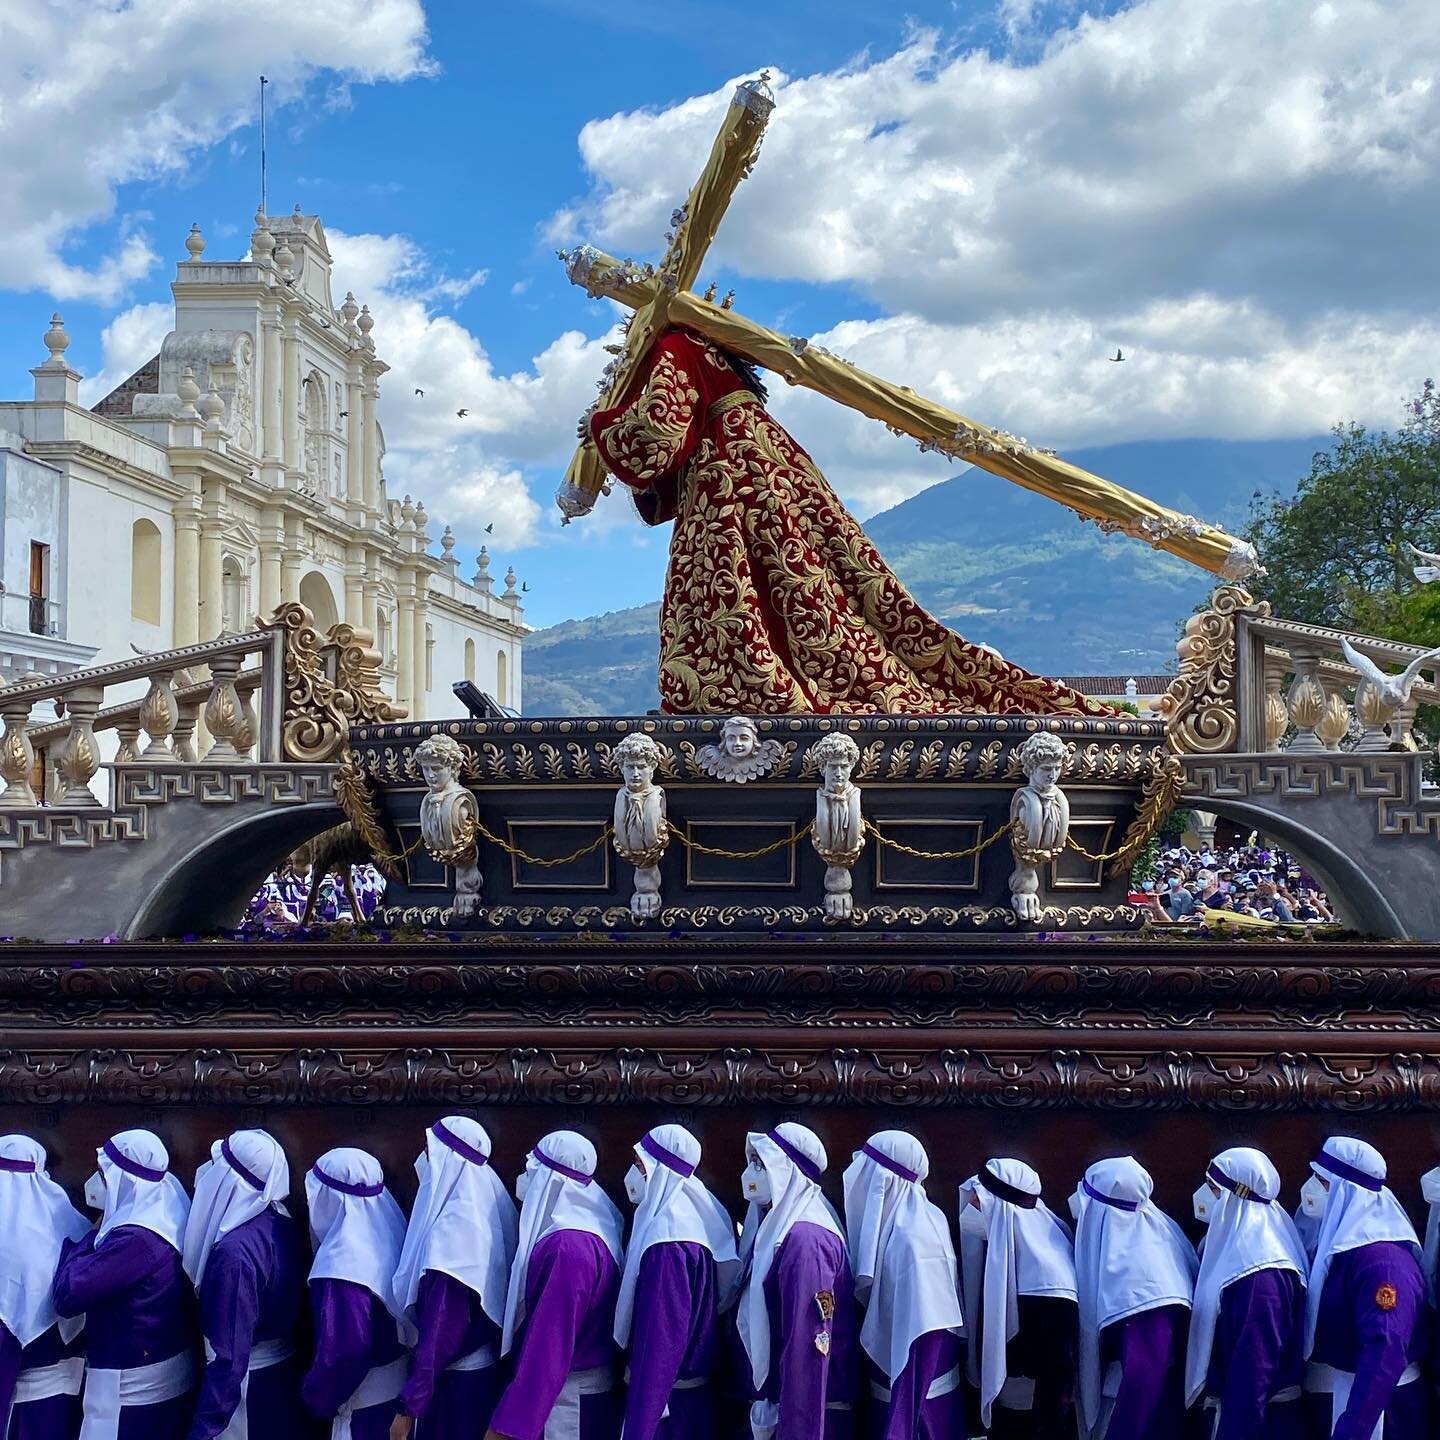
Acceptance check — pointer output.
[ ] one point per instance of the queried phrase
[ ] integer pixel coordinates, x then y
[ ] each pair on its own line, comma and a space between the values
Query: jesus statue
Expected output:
775, 600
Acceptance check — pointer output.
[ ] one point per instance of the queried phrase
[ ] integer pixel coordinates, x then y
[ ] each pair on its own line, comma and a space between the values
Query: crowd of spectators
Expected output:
281, 900
1256, 880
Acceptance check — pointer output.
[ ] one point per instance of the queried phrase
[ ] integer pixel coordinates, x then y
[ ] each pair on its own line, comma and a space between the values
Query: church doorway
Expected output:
317, 597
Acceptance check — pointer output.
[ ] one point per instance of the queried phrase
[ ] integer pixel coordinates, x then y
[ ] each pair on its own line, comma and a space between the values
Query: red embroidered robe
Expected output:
775, 601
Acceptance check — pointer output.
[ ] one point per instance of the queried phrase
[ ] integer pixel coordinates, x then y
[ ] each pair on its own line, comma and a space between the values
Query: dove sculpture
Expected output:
1393, 690
1430, 570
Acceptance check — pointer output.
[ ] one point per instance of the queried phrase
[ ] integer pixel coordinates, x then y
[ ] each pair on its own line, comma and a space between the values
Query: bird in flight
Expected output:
524, 586
343, 414
462, 413
419, 391
1118, 355
490, 528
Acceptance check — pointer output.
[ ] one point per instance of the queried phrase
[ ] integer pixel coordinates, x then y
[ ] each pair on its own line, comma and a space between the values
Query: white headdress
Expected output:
901, 1253
463, 1223
245, 1175
563, 1195
794, 1160
1024, 1250
36, 1217
1129, 1257
1249, 1231
677, 1207
139, 1188
1359, 1210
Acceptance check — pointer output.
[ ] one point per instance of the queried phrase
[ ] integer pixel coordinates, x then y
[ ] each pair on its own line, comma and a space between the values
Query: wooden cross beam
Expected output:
661, 296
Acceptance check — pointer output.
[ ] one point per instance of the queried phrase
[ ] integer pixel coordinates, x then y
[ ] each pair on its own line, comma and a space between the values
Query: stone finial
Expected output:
421, 520
511, 593
211, 408
284, 256
483, 580
189, 392
407, 514
447, 547
57, 342
297, 217
262, 242
366, 324
349, 310
1132, 689
195, 242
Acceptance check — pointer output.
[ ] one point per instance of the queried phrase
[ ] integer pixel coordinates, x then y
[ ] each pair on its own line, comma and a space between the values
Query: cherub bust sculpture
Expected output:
741, 754
448, 818
641, 830
839, 832
1040, 815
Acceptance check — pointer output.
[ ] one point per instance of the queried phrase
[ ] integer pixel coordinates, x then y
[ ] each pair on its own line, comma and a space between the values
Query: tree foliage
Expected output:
1336, 552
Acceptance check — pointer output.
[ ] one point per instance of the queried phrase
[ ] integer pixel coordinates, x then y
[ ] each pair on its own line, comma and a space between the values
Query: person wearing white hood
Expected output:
1135, 1279
357, 1229
1243, 1363
126, 1278
560, 1303
681, 1270
243, 1254
451, 1282
1017, 1267
41, 1366
796, 1315
908, 1287
1365, 1303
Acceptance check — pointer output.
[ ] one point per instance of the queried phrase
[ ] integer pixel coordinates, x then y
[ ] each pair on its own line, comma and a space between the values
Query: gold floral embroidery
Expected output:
646, 439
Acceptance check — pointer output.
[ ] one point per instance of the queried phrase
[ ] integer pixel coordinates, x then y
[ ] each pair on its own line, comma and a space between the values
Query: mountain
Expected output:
995, 562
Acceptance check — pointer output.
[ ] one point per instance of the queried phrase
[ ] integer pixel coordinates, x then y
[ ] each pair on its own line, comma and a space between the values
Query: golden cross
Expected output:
661, 296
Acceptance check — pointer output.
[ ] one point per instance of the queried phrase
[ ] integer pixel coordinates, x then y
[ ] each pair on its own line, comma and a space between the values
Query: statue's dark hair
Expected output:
748, 373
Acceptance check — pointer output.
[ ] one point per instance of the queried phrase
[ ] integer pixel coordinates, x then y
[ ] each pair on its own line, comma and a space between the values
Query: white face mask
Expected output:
1203, 1202
755, 1184
1313, 1196
634, 1185
522, 1185
95, 1191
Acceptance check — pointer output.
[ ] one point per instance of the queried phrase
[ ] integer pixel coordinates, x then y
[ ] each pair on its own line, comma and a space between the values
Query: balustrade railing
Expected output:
240, 705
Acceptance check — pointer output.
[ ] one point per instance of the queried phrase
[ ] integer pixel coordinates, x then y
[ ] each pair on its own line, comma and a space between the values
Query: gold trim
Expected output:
511, 826
958, 823
729, 402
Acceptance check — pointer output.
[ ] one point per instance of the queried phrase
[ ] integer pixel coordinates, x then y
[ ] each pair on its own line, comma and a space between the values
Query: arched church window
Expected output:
429, 657
145, 571
234, 595
470, 661
382, 636
316, 422
502, 678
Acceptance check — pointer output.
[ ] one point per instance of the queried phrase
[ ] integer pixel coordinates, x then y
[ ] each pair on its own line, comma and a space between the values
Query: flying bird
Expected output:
462, 413
1393, 690
343, 414
418, 391
1430, 570
1118, 355
524, 586
490, 528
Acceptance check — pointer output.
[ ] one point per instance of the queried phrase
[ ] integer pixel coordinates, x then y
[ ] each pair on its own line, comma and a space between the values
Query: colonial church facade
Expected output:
241, 467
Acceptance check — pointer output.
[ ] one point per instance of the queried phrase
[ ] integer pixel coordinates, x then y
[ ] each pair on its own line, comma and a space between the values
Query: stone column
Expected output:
370, 457
212, 581
405, 645
186, 629
290, 559
271, 371
355, 440
290, 371
418, 643
355, 588
270, 552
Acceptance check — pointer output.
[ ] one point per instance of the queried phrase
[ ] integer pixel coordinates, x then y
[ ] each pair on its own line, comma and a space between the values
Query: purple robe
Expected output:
1371, 1323
252, 1293
814, 1387
139, 1309
571, 1284
1150, 1350
673, 1338
452, 1405
1259, 1337
908, 1414
354, 1333
1043, 1349
54, 1418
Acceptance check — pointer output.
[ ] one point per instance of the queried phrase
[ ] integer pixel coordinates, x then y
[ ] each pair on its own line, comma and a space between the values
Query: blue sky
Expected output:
980, 200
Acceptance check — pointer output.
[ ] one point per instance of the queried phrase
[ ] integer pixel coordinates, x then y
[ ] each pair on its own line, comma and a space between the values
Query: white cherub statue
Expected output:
741, 755
448, 819
839, 832
1040, 814
641, 830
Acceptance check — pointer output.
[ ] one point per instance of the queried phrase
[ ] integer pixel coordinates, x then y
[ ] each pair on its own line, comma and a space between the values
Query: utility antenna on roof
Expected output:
263, 83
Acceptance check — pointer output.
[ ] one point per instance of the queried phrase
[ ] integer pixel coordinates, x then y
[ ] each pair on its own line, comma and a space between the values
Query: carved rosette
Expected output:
1199, 707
